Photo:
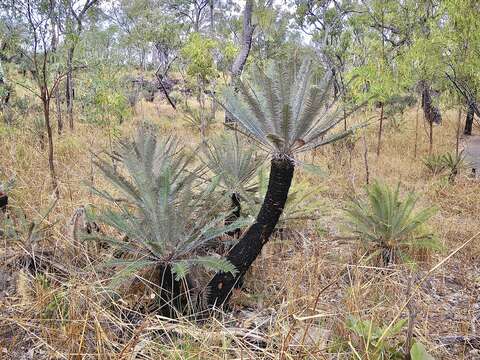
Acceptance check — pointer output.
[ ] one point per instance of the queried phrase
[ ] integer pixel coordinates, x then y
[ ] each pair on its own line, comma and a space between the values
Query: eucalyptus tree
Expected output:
55, 42
246, 41
462, 50
75, 16
342, 41
286, 113
196, 13
201, 69
36, 35
328, 24
381, 32
421, 62
148, 29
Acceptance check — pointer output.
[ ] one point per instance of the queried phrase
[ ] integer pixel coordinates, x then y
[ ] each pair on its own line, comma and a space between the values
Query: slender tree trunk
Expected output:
249, 247
51, 165
3, 202
58, 110
247, 34
212, 17
384, 62
380, 129
241, 59
213, 104
365, 160
430, 148
58, 107
203, 114
457, 135
69, 86
56, 94
416, 132
469, 121
237, 208
4, 99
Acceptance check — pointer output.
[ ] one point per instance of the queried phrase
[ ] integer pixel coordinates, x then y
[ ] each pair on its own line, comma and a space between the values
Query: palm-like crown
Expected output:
284, 110
233, 163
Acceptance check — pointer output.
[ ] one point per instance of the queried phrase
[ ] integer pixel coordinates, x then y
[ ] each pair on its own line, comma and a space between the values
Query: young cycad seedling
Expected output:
390, 223
286, 113
234, 166
159, 212
452, 163
371, 341
434, 164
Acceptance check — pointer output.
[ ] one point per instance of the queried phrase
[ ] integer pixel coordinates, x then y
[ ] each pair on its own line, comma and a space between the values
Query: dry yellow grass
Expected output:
299, 293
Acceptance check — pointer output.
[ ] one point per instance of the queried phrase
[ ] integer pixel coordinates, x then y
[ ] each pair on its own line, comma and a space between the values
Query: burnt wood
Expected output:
249, 247
236, 207
3, 201
469, 121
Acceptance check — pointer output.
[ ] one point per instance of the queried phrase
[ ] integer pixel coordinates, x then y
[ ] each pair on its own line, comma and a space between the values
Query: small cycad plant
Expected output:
450, 163
434, 164
233, 165
371, 341
390, 223
158, 210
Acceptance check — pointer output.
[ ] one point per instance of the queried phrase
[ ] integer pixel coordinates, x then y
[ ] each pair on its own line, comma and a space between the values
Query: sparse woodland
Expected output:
203, 179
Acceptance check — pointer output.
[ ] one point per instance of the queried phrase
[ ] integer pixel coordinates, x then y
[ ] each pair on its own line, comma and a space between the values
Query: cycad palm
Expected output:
286, 113
159, 211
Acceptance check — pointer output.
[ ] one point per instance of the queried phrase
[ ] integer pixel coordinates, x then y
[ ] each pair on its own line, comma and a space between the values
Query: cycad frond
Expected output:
233, 163
283, 109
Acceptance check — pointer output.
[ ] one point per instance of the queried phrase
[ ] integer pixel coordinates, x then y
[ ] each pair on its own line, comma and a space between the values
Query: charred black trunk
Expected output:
3, 201
244, 253
388, 256
173, 299
469, 120
431, 112
236, 207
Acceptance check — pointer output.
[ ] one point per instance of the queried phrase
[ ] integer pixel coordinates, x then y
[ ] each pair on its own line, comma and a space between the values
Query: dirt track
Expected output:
472, 150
